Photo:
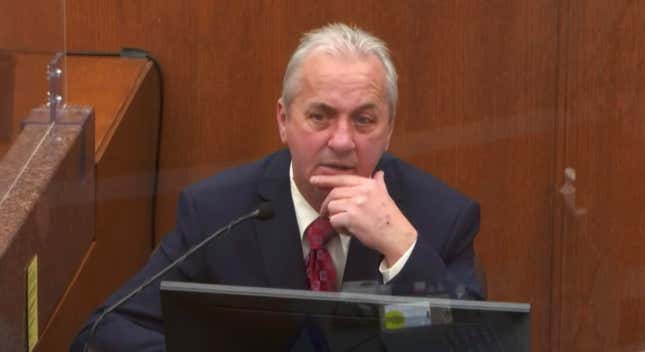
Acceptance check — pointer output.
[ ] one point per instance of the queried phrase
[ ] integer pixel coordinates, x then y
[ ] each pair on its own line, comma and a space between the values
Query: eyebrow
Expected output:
367, 106
322, 106
331, 110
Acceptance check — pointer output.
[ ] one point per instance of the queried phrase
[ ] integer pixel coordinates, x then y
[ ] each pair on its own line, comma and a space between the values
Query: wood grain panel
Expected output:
600, 288
478, 97
6, 101
32, 26
504, 133
24, 87
125, 93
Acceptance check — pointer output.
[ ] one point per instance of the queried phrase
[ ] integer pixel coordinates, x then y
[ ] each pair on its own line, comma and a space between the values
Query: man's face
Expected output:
338, 121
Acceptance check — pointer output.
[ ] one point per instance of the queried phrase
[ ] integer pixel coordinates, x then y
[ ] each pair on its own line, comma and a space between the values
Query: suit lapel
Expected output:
278, 237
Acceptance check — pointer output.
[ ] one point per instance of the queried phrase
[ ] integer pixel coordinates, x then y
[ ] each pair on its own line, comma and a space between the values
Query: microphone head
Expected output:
264, 211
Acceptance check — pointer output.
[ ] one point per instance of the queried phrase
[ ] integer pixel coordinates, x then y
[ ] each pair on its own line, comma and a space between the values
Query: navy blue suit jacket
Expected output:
269, 253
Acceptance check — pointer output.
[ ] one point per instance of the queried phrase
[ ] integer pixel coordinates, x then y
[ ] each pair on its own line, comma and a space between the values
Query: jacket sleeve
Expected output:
448, 271
137, 324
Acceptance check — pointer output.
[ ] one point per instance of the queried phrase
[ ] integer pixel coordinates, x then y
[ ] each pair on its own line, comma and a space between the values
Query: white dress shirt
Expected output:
338, 246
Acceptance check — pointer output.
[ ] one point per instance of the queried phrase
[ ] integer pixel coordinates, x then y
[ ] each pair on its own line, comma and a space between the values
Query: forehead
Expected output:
342, 78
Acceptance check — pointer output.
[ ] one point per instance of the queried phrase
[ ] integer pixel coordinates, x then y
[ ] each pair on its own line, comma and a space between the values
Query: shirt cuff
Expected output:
391, 272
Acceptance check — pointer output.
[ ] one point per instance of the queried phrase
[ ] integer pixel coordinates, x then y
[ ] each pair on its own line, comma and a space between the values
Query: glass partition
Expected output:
32, 90
32, 64
301, 320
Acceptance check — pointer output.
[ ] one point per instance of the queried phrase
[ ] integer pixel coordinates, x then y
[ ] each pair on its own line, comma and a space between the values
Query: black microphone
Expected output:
264, 211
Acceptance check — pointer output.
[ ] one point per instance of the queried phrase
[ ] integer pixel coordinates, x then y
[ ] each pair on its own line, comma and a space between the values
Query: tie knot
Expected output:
319, 232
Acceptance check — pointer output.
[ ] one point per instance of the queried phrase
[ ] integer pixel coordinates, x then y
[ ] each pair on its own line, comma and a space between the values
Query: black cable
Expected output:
93, 53
143, 54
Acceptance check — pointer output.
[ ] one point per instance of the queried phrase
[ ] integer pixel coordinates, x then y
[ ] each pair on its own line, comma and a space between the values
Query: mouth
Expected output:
335, 168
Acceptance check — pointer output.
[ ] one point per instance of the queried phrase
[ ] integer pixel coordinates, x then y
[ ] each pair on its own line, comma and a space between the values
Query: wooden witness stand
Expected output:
115, 238
125, 97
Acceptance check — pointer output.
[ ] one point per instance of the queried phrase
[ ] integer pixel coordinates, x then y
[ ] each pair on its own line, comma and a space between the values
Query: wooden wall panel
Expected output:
32, 26
478, 102
6, 102
489, 131
600, 287
24, 87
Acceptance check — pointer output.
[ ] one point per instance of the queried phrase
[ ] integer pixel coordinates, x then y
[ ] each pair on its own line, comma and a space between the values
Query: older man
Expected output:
344, 209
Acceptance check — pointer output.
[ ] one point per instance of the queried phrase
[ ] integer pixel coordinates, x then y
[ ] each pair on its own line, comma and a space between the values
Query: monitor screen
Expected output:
206, 317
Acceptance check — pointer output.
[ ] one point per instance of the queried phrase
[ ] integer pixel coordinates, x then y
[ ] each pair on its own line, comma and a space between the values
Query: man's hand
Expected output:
363, 207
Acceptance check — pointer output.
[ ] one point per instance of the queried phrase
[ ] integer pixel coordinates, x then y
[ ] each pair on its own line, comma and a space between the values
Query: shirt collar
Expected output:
305, 214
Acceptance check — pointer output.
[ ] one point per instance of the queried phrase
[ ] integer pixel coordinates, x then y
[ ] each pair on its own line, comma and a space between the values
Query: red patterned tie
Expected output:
320, 266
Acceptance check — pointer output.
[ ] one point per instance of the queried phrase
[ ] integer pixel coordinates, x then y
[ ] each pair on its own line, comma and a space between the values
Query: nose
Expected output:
342, 137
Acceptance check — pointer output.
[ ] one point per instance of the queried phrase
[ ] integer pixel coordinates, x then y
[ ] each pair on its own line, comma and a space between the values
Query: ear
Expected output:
281, 118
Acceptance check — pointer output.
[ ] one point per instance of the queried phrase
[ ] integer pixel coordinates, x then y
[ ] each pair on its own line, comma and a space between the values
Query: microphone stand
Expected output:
263, 212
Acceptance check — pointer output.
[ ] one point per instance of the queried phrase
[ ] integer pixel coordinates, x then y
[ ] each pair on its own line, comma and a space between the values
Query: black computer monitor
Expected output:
203, 317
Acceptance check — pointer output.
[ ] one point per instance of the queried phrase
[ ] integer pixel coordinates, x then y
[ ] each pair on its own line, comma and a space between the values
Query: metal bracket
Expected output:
55, 77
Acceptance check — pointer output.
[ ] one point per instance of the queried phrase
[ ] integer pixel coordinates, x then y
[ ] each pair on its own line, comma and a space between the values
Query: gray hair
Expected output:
335, 39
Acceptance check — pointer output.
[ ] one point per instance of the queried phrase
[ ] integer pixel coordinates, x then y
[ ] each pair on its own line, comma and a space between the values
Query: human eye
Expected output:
316, 116
364, 121
318, 119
